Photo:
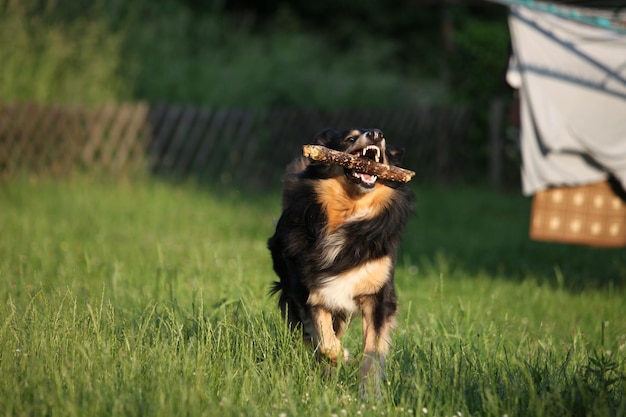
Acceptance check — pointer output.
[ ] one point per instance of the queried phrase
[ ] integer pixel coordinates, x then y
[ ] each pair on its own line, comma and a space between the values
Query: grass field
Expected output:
149, 299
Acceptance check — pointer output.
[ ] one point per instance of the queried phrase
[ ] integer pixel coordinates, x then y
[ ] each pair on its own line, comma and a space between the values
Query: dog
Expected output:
334, 249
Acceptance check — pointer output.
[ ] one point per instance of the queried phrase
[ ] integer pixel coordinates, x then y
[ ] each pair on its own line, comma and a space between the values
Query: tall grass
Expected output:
150, 299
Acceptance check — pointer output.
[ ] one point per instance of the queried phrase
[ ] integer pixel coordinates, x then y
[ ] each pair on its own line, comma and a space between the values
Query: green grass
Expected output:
146, 298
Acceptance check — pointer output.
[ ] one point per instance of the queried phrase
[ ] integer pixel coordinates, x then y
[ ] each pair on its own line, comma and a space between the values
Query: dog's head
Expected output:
367, 143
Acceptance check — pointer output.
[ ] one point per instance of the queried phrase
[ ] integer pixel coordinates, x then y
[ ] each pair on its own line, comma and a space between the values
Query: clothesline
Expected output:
589, 16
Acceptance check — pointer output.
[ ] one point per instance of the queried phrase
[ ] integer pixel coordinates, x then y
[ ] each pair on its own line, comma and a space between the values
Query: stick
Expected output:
364, 165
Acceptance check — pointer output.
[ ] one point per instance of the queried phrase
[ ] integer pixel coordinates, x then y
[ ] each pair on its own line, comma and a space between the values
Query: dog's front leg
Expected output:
324, 338
377, 326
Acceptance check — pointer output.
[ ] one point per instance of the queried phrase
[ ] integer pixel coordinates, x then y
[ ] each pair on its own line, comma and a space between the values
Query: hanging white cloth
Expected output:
572, 85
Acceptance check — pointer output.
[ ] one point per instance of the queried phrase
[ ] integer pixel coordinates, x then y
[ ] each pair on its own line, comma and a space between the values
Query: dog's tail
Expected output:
292, 311
275, 288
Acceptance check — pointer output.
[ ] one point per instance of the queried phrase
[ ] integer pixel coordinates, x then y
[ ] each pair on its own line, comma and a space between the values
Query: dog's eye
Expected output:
351, 139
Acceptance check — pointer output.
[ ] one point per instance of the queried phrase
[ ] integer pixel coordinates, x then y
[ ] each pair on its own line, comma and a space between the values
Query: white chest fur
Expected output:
339, 292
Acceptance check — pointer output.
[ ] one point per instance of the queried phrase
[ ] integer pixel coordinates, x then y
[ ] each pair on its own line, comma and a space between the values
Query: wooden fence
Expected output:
216, 143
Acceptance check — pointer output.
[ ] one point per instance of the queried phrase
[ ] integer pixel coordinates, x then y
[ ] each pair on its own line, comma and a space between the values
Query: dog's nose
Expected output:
375, 135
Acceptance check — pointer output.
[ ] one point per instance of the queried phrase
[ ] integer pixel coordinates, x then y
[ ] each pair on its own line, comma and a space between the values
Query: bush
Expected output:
109, 51
48, 59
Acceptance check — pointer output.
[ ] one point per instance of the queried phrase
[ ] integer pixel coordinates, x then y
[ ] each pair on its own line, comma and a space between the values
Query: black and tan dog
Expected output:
335, 246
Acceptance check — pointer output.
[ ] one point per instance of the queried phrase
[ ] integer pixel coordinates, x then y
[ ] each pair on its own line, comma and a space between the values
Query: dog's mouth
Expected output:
365, 180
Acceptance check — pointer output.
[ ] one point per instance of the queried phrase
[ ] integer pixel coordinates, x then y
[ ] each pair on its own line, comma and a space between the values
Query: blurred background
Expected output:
227, 91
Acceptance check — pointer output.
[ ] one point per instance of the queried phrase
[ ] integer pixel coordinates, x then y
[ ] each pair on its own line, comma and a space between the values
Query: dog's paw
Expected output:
372, 379
334, 356
370, 389
346, 355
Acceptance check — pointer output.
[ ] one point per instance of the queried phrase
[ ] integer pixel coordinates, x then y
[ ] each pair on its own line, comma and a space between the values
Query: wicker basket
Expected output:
588, 215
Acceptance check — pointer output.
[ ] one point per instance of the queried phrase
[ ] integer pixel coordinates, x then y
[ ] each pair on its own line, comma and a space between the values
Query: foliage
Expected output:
476, 70
479, 62
346, 55
150, 299
113, 51
49, 59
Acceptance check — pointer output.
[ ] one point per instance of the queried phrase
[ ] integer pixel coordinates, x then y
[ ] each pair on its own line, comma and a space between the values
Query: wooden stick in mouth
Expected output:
326, 155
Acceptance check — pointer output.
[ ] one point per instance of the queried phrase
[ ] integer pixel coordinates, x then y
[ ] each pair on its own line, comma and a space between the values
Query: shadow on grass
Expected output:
468, 231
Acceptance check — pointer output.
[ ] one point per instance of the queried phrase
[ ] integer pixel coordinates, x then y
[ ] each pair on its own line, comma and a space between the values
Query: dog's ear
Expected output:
326, 136
395, 155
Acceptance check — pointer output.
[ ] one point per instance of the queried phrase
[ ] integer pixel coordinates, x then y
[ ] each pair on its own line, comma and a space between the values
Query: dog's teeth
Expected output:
376, 149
